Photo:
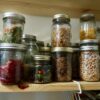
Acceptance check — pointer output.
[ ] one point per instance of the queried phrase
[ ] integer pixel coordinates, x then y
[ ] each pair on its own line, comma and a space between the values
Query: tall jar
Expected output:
88, 27
89, 63
42, 69
13, 25
61, 31
62, 63
12, 63
32, 49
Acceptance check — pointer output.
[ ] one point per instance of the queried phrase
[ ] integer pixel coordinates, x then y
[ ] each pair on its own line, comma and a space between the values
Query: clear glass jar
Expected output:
13, 25
32, 49
61, 31
12, 63
62, 62
89, 63
42, 69
88, 27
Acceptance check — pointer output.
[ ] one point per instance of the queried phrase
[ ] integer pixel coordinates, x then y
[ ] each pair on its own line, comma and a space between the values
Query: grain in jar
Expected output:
89, 63
61, 31
88, 26
62, 63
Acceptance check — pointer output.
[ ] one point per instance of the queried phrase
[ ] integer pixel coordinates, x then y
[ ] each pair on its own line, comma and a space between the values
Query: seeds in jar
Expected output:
89, 66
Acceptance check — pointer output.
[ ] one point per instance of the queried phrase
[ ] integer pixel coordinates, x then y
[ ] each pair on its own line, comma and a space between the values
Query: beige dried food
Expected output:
89, 66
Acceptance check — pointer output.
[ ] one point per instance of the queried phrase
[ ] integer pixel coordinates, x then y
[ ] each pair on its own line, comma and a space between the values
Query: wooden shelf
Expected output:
51, 87
50, 7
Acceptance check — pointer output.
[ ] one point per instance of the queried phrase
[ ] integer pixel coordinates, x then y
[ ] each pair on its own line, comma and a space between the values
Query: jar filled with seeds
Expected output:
62, 63
61, 31
88, 26
42, 69
13, 25
89, 63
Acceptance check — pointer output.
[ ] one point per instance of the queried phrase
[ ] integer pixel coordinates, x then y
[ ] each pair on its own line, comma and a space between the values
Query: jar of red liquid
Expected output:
11, 64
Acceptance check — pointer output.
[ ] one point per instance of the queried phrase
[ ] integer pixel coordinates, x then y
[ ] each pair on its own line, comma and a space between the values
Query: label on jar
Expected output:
89, 48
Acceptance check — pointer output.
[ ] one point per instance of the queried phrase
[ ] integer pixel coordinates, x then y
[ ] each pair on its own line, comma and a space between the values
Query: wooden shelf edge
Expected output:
52, 87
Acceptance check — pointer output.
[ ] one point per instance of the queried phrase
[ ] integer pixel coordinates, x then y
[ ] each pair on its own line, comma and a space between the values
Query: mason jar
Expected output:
89, 63
88, 26
62, 63
12, 63
13, 25
42, 69
61, 31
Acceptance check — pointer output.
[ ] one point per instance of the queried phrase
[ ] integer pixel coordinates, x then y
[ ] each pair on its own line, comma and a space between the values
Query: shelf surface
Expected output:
50, 7
52, 87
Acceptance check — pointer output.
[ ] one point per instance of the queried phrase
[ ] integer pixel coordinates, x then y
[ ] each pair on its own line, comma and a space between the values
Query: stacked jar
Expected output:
11, 50
60, 42
89, 53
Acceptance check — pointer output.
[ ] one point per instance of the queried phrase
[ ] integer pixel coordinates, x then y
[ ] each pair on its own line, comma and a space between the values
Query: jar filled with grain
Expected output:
61, 31
61, 60
88, 26
89, 62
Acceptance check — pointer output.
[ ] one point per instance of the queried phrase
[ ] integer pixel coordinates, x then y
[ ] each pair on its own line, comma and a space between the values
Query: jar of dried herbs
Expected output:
13, 25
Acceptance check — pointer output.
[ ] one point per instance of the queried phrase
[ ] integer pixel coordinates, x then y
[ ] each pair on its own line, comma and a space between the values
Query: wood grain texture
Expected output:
52, 87
50, 7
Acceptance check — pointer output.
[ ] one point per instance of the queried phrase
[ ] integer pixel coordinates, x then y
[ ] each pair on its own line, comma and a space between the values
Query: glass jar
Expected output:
12, 63
88, 27
13, 25
42, 69
61, 60
40, 43
75, 61
89, 63
61, 31
32, 49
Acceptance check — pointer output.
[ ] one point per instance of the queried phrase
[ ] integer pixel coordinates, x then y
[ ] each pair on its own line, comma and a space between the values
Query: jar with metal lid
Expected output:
61, 31
75, 61
42, 69
62, 62
89, 63
13, 25
88, 26
12, 63
32, 49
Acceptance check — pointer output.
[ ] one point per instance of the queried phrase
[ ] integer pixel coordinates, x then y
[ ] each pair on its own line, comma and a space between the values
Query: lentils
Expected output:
89, 66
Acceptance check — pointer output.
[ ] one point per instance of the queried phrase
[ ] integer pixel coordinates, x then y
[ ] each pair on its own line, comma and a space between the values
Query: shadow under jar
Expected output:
61, 60
89, 63
61, 31
12, 63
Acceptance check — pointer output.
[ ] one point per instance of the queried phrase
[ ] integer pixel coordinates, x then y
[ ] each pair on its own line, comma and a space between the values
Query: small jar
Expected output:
12, 63
61, 31
61, 60
32, 49
42, 69
75, 61
88, 27
13, 25
89, 63
40, 43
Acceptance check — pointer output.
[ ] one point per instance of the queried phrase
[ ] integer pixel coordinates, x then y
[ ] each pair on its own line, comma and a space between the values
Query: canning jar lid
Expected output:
89, 41
41, 57
62, 49
45, 49
13, 15
28, 36
87, 16
62, 16
85, 48
12, 46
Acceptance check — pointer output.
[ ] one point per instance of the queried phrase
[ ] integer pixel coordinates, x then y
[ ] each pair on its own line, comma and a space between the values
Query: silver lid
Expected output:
28, 36
94, 41
45, 49
12, 14
62, 49
12, 46
41, 57
84, 48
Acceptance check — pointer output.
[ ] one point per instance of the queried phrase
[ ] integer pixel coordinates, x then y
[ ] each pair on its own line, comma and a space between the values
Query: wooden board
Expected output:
52, 87
50, 7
